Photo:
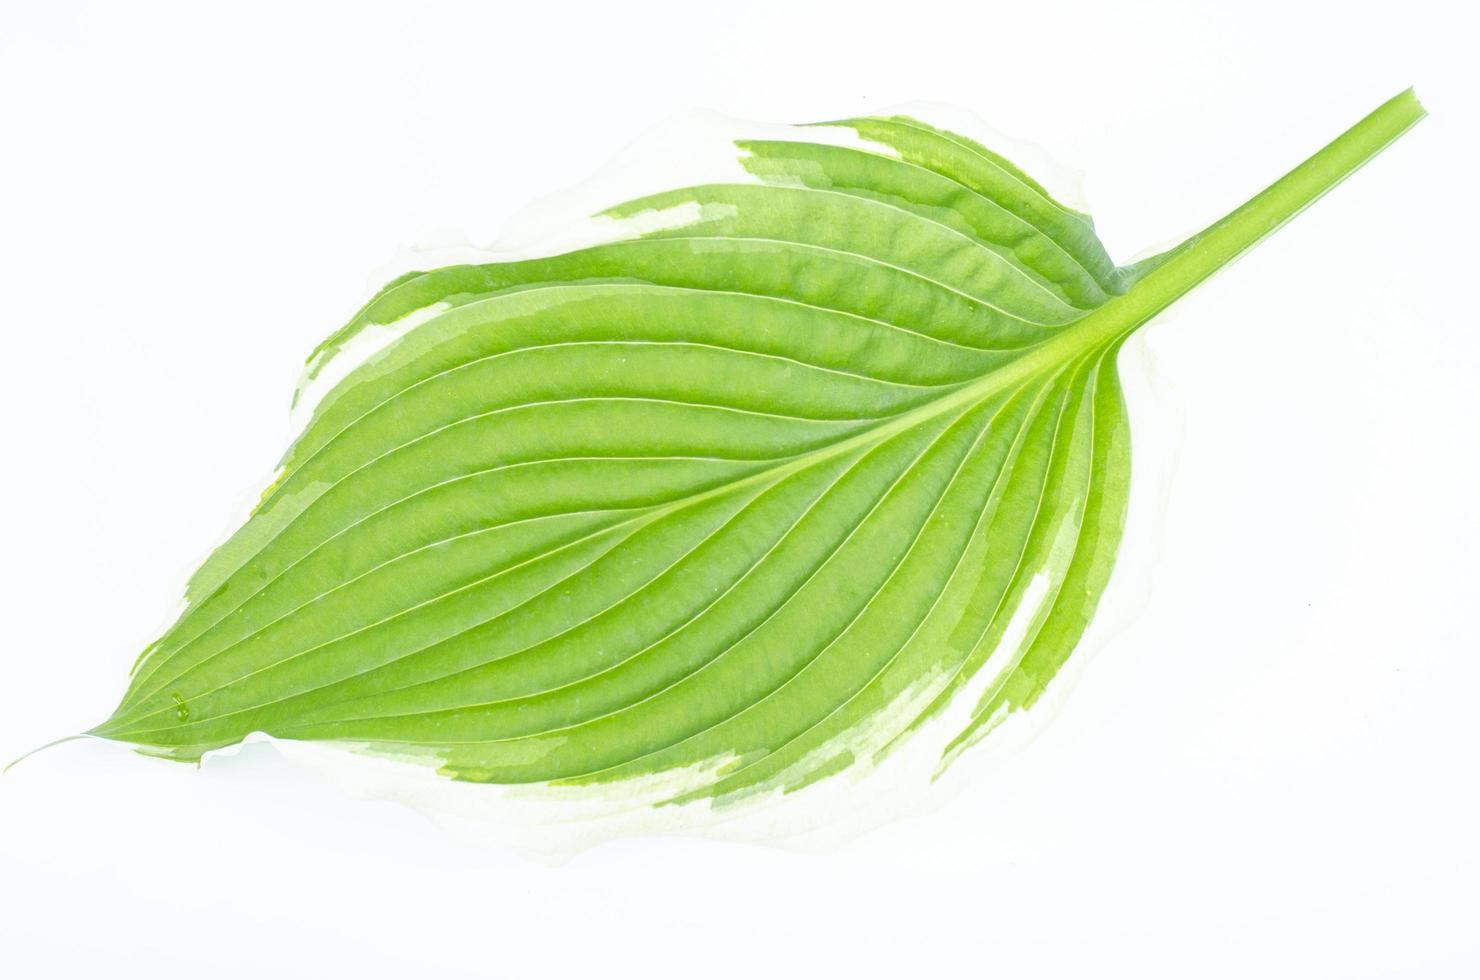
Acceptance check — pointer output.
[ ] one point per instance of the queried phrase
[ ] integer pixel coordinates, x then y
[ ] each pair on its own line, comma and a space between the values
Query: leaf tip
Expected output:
40, 748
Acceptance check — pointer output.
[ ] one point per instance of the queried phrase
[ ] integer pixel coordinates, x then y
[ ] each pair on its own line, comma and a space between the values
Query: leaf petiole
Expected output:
1162, 279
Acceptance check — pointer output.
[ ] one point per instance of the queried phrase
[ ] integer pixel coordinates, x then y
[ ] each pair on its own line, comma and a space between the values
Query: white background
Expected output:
1270, 772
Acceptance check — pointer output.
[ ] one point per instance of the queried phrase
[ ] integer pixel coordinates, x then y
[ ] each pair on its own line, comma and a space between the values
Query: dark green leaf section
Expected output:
753, 497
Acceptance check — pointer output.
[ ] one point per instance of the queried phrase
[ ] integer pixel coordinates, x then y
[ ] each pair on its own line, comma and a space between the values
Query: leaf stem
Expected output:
1161, 280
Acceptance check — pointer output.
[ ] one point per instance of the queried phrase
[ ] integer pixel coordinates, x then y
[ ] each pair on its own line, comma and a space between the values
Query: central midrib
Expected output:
1033, 361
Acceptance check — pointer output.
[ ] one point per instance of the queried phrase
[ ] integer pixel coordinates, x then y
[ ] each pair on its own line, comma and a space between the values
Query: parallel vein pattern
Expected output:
728, 491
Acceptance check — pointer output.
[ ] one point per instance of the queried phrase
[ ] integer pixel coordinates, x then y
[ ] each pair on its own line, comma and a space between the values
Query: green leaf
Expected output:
755, 494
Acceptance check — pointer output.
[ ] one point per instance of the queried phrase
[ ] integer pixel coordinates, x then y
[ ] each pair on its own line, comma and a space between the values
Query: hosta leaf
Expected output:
759, 491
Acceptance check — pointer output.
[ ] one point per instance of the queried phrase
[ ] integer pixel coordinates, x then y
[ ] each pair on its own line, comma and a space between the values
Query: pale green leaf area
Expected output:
755, 495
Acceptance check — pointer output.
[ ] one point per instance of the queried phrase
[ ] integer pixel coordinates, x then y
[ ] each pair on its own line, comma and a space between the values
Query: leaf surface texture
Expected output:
755, 495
